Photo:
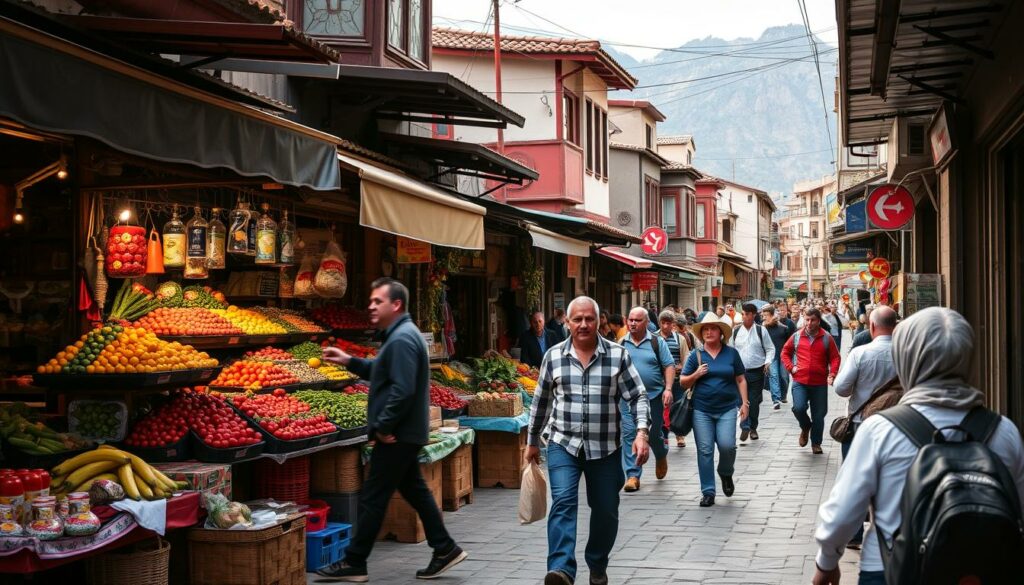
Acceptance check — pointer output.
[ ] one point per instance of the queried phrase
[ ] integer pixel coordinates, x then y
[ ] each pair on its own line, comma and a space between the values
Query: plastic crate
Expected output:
344, 507
121, 414
316, 515
327, 546
203, 452
284, 482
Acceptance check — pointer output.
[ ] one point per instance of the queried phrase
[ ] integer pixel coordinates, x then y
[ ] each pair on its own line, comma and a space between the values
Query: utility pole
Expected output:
495, 6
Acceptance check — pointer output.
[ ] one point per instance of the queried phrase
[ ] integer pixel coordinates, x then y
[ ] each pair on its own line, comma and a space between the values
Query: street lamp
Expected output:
807, 256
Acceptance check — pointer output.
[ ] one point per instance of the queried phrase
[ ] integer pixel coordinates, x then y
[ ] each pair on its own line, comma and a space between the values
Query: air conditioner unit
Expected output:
908, 147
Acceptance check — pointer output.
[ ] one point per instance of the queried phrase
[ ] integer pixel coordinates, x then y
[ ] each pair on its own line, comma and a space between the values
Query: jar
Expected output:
9, 525
12, 493
266, 238
175, 242
195, 254
45, 524
32, 483
62, 507
80, 521
216, 241
126, 252
238, 230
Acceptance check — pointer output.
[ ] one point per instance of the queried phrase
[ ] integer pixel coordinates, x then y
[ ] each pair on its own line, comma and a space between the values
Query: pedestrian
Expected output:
678, 347
683, 327
719, 311
398, 419
617, 326
716, 374
864, 337
835, 324
779, 331
812, 357
557, 325
604, 329
582, 381
651, 357
932, 352
757, 353
533, 344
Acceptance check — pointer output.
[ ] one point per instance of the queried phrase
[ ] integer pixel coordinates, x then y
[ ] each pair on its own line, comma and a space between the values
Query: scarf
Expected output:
932, 353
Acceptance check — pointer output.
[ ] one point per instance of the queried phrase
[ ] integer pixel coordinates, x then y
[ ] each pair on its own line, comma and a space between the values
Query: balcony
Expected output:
560, 165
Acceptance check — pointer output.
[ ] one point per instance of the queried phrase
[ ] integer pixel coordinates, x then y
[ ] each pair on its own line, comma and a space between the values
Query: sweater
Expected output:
814, 364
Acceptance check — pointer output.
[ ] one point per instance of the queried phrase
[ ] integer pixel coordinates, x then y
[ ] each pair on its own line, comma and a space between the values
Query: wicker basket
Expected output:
271, 556
507, 407
146, 563
336, 471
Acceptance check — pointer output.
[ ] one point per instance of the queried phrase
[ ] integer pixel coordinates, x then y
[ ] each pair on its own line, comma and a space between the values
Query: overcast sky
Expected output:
657, 23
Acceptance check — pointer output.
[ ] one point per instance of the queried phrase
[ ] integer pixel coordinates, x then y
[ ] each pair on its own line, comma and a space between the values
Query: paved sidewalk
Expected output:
762, 535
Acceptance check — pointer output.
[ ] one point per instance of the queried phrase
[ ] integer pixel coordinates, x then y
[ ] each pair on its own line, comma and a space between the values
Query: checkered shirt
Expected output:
582, 403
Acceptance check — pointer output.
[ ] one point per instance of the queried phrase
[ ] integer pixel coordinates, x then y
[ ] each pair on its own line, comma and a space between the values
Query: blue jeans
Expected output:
655, 438
709, 430
775, 387
817, 398
604, 480
871, 578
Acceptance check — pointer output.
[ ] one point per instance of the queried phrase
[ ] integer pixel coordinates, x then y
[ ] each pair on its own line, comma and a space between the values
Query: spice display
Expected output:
80, 521
175, 242
286, 240
266, 238
195, 255
126, 252
238, 232
216, 241
331, 280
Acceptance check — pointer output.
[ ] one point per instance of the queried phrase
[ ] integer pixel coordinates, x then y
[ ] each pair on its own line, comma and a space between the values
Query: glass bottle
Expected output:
195, 257
286, 240
251, 232
238, 234
174, 241
216, 239
266, 238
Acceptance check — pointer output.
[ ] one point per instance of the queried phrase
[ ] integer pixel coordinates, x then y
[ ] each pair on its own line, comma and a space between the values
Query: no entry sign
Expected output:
890, 207
654, 241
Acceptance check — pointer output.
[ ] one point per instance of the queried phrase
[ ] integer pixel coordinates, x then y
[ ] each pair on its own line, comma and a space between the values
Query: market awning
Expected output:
55, 85
645, 263
579, 228
553, 242
462, 158
397, 204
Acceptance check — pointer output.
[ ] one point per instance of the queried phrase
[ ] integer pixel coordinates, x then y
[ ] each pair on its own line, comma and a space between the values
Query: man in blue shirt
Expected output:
658, 371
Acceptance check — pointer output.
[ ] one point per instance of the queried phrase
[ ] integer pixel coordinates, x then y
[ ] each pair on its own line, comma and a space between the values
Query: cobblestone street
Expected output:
762, 535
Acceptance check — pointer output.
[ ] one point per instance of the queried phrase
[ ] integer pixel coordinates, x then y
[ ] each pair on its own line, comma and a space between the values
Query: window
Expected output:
340, 18
727, 231
671, 212
649, 136
406, 27
689, 157
814, 229
396, 23
699, 219
815, 208
652, 203
443, 131
796, 263
604, 144
571, 118
691, 215
750, 197
590, 136
800, 230
597, 140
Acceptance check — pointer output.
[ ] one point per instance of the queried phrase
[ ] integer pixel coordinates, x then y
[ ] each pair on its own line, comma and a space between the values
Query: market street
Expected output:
762, 535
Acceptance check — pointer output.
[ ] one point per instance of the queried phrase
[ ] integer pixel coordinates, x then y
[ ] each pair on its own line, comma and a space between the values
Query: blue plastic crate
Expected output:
327, 546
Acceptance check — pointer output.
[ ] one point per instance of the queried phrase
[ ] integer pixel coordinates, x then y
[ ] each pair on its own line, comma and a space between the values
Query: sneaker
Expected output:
661, 468
777, 406
744, 434
753, 435
805, 434
598, 578
816, 449
632, 484
784, 401
342, 573
557, 578
728, 487
707, 501
439, 563
680, 442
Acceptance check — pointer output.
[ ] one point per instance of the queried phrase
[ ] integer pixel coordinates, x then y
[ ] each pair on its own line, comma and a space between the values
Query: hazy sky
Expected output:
657, 23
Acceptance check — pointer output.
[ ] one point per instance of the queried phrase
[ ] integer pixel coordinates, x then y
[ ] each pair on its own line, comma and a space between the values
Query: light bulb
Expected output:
19, 217
125, 215
62, 174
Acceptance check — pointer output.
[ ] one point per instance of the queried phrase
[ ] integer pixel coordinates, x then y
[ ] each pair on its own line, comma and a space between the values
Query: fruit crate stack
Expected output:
496, 404
499, 458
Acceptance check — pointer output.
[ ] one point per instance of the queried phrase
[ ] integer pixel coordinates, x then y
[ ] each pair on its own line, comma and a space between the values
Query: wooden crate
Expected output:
336, 471
401, 522
499, 458
272, 556
457, 478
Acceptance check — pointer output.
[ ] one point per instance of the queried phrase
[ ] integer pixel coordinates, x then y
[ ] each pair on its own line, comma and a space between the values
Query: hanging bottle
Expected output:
286, 240
266, 238
195, 261
238, 234
216, 239
174, 241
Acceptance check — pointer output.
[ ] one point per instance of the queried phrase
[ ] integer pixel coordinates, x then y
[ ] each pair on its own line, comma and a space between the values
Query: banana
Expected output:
124, 473
93, 456
85, 485
88, 471
159, 493
169, 484
144, 490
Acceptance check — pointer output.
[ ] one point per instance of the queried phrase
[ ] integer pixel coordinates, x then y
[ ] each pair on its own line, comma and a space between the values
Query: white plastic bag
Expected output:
331, 280
303, 288
533, 495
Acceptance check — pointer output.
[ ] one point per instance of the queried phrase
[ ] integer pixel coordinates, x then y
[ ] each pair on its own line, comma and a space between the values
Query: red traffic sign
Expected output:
879, 268
654, 241
890, 207
645, 281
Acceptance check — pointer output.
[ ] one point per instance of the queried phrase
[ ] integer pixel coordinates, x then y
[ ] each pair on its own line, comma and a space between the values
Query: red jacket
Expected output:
814, 363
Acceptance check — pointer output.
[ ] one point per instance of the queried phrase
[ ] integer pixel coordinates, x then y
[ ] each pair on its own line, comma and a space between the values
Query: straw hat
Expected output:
712, 320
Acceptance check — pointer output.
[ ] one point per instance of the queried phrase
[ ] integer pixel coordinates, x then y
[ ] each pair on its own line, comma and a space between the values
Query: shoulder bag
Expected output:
680, 420
842, 427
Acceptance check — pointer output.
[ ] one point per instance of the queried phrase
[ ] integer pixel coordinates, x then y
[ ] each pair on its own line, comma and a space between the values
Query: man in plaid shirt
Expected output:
581, 382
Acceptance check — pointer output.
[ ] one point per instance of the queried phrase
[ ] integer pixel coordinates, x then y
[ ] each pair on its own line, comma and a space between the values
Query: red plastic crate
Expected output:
316, 515
284, 482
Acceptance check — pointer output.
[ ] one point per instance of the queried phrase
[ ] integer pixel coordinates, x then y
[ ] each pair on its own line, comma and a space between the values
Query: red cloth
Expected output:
810, 357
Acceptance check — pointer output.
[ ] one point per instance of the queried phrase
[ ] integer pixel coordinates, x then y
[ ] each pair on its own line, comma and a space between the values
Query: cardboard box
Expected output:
212, 478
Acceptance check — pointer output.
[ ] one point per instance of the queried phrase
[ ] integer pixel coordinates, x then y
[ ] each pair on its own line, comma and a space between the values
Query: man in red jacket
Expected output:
812, 357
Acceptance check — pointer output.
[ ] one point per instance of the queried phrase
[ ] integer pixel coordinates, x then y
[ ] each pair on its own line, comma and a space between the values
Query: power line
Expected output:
817, 67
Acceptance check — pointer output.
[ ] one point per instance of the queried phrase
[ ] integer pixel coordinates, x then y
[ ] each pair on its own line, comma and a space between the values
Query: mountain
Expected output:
750, 105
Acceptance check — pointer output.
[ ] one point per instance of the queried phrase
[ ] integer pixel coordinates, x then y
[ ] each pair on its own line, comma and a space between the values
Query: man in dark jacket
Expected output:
398, 418
535, 342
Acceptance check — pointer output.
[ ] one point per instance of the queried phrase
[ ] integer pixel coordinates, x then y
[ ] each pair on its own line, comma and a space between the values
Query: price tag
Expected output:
232, 340
163, 379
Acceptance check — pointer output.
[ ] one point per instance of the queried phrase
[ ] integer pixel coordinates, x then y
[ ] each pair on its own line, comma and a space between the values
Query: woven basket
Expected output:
513, 407
336, 471
146, 563
270, 556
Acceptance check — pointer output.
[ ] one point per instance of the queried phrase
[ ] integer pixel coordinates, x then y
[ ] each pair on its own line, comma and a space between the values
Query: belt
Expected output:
757, 369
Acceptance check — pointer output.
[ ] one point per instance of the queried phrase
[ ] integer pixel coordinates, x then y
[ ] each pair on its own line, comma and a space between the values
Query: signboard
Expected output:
849, 266
940, 137
558, 300
918, 291
654, 241
852, 252
832, 209
645, 281
856, 217
879, 267
412, 251
890, 207
572, 266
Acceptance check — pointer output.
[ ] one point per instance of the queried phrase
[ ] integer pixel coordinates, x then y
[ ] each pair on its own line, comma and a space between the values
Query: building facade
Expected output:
803, 238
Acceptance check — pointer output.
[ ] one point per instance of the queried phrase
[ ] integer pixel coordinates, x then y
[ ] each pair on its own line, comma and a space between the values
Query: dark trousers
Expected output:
755, 391
395, 467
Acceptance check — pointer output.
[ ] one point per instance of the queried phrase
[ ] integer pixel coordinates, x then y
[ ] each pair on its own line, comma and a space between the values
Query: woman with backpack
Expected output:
948, 513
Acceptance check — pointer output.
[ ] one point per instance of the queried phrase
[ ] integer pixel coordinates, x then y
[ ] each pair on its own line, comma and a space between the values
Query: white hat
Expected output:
712, 320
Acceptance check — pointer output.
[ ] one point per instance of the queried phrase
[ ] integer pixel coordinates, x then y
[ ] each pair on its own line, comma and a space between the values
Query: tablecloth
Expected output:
434, 452
506, 424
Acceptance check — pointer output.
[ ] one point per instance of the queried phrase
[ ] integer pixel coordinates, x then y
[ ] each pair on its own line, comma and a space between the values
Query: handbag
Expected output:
842, 427
680, 420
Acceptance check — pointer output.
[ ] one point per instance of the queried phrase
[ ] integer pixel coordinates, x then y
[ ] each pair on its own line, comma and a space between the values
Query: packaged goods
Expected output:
80, 520
266, 238
331, 280
9, 525
238, 231
45, 524
154, 254
105, 491
304, 279
286, 240
225, 514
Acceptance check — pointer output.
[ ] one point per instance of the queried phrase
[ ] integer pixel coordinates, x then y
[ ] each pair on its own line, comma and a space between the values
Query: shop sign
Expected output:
558, 300
412, 251
922, 290
890, 207
940, 137
879, 268
856, 217
645, 281
852, 252
832, 209
572, 266
654, 241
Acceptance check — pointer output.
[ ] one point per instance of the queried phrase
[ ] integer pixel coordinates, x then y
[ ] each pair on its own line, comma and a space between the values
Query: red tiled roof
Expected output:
602, 63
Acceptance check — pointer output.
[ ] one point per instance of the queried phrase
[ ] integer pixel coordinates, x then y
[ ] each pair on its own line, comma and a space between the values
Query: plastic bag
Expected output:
224, 514
533, 495
303, 288
331, 281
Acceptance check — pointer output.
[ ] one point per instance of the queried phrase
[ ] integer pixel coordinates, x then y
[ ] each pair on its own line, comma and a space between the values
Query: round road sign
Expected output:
654, 241
879, 268
890, 207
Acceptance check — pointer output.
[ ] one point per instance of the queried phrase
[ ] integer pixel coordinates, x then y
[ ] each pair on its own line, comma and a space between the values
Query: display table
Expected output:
28, 555
437, 451
504, 424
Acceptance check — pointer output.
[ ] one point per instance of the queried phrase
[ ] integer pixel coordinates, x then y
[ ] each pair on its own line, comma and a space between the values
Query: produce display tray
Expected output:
172, 379
203, 452
339, 384
242, 340
266, 389
278, 446
344, 434
180, 451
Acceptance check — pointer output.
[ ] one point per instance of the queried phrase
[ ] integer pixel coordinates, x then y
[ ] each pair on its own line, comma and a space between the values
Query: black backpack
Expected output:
961, 515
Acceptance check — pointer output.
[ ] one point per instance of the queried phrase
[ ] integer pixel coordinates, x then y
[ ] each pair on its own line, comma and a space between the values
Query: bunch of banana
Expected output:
139, 480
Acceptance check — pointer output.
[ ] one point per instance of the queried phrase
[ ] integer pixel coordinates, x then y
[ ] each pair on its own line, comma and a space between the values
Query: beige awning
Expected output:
549, 240
397, 204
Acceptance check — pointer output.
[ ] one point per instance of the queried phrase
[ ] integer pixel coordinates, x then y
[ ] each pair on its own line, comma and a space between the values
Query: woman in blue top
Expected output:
716, 375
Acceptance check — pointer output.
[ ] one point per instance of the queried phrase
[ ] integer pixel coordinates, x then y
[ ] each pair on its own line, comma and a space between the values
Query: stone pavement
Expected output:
762, 535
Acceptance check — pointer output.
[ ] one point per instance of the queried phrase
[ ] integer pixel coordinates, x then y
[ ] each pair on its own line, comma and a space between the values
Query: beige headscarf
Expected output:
932, 352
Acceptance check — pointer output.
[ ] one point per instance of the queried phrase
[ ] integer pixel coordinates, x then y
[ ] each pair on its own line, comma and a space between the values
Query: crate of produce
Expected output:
344, 434
457, 478
327, 546
401, 522
150, 381
499, 458
336, 471
180, 450
203, 452
284, 482
270, 556
343, 507
285, 416
496, 404
145, 563
99, 420
207, 478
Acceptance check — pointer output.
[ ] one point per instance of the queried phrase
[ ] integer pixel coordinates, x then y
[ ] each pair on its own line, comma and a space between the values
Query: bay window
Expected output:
406, 27
701, 230
338, 18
